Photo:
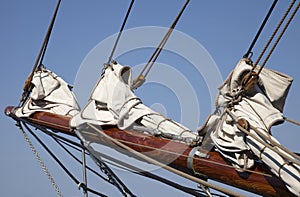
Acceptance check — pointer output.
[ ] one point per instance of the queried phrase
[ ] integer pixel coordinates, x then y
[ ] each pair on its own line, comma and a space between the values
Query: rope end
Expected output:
138, 81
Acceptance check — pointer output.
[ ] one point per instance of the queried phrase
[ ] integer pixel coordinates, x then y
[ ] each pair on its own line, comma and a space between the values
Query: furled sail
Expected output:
113, 103
50, 93
255, 106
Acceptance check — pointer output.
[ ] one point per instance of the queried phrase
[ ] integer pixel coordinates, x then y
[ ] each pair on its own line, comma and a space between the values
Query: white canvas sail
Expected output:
113, 103
50, 93
260, 107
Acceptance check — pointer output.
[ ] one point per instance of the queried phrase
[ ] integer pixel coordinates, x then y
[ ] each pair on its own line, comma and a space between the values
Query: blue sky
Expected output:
224, 28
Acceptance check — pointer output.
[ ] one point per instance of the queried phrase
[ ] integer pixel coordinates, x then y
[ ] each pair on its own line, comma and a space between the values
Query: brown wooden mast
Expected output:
258, 180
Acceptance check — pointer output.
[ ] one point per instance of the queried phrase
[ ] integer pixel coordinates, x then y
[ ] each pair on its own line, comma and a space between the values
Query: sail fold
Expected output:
259, 107
112, 102
50, 93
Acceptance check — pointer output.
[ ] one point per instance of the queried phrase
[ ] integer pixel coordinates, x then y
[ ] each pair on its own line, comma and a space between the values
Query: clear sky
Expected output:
223, 29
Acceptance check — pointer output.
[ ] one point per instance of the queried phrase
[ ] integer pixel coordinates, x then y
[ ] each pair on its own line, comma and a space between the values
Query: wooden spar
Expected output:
258, 180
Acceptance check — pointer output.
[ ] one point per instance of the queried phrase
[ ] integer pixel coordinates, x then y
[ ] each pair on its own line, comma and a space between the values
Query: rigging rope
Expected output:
279, 37
112, 178
140, 79
153, 148
39, 159
76, 159
39, 60
274, 146
260, 30
272, 37
120, 33
141, 172
274, 32
84, 184
153, 161
59, 162
199, 159
292, 121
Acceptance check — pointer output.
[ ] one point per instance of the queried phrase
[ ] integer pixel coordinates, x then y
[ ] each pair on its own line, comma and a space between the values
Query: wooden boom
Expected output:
258, 180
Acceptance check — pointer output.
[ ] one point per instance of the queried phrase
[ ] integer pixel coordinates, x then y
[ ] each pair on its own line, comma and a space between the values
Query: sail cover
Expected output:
50, 93
112, 102
260, 107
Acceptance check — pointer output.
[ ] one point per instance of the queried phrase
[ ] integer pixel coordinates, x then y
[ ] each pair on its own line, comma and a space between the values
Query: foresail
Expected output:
113, 103
50, 93
245, 113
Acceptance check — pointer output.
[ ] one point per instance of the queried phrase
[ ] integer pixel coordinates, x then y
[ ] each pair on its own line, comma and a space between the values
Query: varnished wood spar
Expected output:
260, 181
215, 167
52, 121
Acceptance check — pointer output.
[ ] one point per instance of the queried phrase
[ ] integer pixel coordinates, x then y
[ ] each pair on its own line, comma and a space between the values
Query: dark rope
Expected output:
120, 33
28, 86
50, 31
78, 160
141, 172
112, 177
59, 162
51, 154
74, 145
139, 80
271, 38
260, 29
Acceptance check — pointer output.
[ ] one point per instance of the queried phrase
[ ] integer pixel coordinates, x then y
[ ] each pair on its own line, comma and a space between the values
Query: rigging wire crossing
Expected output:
153, 161
57, 160
271, 38
39, 159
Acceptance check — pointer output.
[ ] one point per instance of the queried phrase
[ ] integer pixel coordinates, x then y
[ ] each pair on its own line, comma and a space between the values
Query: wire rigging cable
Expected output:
111, 177
39, 159
274, 32
155, 162
58, 161
260, 29
120, 33
272, 37
39, 60
279, 37
140, 79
